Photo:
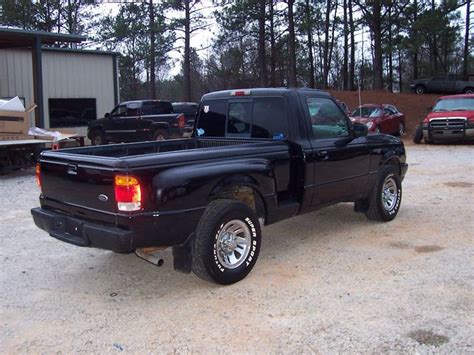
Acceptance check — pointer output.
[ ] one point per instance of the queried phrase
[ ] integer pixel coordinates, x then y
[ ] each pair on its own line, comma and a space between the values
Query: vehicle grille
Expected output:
455, 124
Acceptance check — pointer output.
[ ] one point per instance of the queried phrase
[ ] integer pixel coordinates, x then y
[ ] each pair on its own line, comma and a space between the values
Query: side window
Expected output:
439, 77
212, 118
133, 109
269, 118
327, 119
240, 117
156, 108
119, 111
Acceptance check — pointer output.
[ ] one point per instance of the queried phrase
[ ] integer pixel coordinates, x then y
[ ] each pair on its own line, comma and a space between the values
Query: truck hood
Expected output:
469, 115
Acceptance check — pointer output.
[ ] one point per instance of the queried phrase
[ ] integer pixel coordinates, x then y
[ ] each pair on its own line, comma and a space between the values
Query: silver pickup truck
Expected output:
444, 83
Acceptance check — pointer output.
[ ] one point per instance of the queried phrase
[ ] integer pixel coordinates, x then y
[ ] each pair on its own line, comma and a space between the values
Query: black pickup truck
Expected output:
256, 157
134, 121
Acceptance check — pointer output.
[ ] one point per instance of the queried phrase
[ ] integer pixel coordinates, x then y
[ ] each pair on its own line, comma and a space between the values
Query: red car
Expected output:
451, 119
380, 118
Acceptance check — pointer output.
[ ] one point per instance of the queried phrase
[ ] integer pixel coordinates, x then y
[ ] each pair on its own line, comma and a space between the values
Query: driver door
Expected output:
340, 163
116, 124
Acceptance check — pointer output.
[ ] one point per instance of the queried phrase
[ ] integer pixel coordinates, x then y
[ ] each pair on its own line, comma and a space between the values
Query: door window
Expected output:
327, 119
119, 111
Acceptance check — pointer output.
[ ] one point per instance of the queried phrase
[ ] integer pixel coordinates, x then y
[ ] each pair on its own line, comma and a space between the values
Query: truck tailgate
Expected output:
70, 181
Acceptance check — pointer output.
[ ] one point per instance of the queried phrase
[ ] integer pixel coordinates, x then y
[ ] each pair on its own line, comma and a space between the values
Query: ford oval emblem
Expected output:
103, 198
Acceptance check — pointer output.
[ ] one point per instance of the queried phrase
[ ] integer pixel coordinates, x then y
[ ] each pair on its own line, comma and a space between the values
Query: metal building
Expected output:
70, 87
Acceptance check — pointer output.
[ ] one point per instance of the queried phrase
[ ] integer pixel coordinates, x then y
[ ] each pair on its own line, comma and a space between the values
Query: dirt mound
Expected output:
413, 106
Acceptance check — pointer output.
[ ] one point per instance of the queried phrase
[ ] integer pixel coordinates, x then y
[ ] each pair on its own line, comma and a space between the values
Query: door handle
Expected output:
323, 155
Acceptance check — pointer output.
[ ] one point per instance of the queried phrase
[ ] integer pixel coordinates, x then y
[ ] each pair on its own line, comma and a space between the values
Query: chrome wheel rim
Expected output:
97, 140
389, 193
233, 244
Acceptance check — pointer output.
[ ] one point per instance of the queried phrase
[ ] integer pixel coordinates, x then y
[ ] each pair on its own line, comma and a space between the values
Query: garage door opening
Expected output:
71, 112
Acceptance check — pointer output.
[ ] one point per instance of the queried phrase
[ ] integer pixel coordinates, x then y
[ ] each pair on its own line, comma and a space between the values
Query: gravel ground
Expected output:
330, 281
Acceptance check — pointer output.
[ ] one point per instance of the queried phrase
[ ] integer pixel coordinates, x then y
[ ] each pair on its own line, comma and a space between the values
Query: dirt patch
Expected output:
459, 184
428, 337
400, 245
428, 248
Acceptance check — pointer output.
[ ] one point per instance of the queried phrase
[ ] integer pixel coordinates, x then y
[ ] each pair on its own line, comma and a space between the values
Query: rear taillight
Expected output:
181, 121
38, 175
128, 194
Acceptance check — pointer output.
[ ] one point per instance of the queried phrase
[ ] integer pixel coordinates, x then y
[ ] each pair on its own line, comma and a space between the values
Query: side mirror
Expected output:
107, 115
429, 109
359, 129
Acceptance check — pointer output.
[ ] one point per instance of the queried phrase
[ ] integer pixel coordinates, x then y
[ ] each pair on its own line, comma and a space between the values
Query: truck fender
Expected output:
194, 184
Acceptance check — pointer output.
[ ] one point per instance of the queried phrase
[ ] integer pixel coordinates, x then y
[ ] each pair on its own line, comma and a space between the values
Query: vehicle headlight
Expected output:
369, 124
424, 125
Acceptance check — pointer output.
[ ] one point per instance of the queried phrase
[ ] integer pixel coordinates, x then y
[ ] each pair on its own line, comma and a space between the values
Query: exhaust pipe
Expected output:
152, 255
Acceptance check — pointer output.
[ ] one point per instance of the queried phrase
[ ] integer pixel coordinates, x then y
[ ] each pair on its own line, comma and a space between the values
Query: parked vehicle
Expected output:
135, 121
444, 83
380, 118
189, 109
257, 156
451, 119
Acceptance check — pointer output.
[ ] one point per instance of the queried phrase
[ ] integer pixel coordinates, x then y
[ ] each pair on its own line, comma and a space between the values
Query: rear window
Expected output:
156, 108
185, 108
263, 117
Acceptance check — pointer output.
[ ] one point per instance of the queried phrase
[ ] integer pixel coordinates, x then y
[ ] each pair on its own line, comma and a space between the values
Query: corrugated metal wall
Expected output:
16, 73
67, 75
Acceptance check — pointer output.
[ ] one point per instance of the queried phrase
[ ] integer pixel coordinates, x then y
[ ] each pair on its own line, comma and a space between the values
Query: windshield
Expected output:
458, 104
371, 112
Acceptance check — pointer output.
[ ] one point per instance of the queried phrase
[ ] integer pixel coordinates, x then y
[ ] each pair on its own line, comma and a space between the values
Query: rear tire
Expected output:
418, 135
98, 138
160, 135
227, 242
420, 90
386, 196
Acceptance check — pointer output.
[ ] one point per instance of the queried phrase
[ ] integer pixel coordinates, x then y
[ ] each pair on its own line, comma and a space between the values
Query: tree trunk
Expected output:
326, 44
272, 46
400, 82
415, 47
352, 65
376, 27
345, 78
152, 87
291, 46
310, 45
465, 66
261, 44
187, 51
390, 51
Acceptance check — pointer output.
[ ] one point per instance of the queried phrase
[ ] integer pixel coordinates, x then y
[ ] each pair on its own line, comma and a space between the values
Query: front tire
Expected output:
468, 91
227, 242
418, 135
401, 129
385, 198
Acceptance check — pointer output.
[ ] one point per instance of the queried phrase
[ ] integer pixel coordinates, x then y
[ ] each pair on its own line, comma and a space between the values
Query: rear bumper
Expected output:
85, 234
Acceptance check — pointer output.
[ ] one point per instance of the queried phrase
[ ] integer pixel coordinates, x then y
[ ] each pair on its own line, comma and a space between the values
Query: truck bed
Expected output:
90, 170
